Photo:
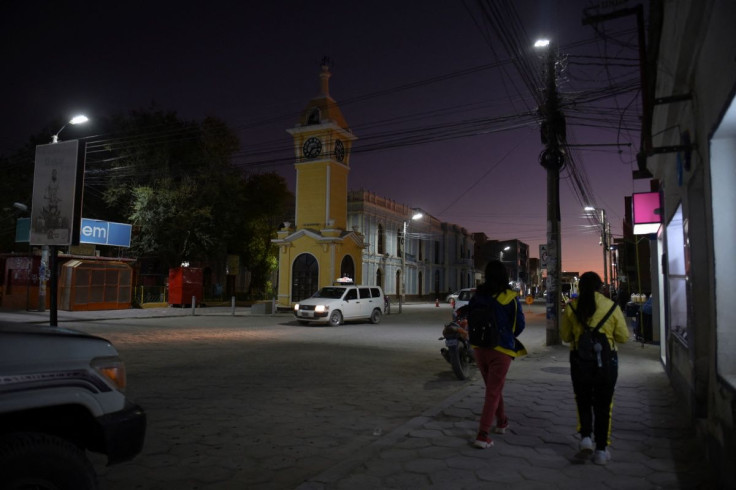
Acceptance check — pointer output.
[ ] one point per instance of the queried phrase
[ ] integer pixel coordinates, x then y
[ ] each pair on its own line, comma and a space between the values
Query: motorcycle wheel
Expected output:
459, 360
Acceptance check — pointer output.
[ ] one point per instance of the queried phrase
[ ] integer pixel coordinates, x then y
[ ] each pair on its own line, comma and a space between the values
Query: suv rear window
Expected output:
365, 293
376, 292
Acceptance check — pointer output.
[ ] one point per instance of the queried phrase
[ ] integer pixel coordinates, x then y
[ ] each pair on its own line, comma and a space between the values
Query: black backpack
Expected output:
483, 328
592, 344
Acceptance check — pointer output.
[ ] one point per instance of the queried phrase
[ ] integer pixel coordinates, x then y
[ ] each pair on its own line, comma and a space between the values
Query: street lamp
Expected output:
500, 254
78, 119
48, 252
417, 214
605, 232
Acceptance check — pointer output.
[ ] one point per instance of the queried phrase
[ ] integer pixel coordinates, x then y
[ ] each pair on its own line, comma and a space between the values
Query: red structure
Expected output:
185, 283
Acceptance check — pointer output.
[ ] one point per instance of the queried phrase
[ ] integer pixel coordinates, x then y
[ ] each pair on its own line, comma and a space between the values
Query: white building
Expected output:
693, 156
439, 256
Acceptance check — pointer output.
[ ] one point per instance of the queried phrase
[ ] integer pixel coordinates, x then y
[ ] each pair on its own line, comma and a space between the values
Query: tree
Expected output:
266, 204
175, 182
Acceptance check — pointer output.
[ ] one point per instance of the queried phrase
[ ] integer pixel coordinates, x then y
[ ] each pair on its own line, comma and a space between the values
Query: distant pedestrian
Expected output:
494, 362
593, 381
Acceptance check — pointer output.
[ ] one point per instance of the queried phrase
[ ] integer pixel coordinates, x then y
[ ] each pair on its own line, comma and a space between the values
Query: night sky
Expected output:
444, 120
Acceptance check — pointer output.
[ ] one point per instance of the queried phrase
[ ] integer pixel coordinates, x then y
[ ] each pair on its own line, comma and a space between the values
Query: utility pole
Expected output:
604, 243
553, 159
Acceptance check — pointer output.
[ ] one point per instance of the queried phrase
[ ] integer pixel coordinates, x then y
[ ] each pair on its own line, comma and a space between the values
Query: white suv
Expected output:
334, 304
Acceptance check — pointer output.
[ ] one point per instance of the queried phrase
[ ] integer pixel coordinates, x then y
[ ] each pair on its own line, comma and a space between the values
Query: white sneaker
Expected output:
585, 450
602, 457
500, 428
483, 441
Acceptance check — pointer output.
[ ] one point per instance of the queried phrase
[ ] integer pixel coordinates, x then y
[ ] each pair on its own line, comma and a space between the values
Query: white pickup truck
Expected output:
62, 394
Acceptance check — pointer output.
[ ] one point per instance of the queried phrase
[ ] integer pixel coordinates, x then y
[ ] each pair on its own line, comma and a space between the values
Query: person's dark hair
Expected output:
590, 282
497, 277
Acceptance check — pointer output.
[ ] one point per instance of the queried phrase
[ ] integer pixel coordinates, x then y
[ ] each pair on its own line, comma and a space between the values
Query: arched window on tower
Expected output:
313, 117
399, 243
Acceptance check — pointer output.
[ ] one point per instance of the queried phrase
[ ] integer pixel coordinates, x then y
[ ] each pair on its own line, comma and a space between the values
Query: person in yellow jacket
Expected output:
593, 382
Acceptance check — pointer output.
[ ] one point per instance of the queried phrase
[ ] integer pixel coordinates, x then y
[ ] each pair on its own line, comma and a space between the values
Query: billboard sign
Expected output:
56, 204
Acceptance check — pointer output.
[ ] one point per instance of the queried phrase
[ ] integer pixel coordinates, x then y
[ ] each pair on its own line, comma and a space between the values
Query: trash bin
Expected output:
185, 283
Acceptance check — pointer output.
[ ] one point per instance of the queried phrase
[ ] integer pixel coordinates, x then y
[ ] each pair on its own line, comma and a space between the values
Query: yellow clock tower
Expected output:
318, 249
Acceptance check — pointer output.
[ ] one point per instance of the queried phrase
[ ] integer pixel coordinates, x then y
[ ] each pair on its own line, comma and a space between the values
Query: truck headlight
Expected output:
296, 307
112, 369
321, 308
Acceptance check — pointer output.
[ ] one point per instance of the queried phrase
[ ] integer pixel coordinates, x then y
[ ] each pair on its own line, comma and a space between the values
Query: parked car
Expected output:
452, 297
335, 304
463, 298
62, 394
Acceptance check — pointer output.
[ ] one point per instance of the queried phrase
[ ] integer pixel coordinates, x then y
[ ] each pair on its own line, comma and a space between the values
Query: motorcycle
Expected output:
457, 350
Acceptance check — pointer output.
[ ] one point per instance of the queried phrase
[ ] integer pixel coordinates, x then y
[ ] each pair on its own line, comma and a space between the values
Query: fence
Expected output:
151, 295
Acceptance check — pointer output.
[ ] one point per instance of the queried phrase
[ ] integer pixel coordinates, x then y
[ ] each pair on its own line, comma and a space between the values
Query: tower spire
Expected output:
325, 76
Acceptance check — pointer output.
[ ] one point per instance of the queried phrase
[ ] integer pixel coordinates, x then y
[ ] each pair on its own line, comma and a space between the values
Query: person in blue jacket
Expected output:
494, 362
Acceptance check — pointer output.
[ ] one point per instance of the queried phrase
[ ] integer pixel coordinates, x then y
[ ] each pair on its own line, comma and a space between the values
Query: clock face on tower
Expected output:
312, 147
339, 151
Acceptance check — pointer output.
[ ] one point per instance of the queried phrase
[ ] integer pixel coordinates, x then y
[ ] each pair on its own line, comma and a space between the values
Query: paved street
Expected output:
241, 401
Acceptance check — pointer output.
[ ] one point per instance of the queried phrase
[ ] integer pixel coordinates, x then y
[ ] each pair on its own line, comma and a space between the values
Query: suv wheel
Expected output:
335, 318
44, 462
376, 316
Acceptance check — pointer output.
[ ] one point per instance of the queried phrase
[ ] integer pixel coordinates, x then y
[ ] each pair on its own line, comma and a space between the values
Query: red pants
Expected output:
493, 365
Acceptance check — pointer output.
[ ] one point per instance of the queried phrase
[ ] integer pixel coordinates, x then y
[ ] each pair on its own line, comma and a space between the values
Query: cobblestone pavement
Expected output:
652, 445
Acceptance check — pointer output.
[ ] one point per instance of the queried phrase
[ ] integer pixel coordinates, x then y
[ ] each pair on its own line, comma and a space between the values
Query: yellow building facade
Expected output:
318, 249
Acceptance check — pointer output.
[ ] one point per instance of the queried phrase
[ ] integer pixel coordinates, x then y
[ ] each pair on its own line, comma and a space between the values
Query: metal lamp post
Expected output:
79, 119
417, 215
48, 252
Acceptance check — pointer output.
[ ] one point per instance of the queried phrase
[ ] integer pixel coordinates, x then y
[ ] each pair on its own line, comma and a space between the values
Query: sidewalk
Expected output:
652, 445
42, 317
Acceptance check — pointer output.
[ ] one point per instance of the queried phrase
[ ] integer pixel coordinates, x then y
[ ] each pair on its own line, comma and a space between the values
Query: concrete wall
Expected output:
696, 57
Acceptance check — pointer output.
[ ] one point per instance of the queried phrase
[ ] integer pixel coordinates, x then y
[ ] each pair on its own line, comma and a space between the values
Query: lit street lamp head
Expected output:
78, 119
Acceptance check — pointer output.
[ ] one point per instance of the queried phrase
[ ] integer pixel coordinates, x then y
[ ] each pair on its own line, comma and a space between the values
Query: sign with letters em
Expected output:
105, 233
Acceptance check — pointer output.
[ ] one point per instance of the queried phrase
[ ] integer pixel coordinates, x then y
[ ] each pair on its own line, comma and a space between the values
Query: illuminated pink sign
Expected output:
647, 213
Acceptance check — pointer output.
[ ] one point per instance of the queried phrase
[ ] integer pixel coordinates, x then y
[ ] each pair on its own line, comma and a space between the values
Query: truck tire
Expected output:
43, 462
376, 316
335, 318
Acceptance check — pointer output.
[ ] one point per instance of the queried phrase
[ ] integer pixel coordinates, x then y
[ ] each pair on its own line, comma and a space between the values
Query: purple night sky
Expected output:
442, 116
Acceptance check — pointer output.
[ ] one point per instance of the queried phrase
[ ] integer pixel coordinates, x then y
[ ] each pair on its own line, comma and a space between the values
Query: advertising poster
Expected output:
54, 193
